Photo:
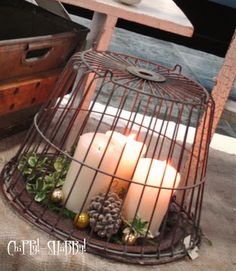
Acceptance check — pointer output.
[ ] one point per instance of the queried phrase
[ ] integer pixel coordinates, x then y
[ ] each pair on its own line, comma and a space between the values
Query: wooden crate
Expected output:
34, 40
21, 99
26, 92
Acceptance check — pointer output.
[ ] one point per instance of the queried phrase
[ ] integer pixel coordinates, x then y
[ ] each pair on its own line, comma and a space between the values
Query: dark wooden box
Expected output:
21, 99
34, 40
35, 45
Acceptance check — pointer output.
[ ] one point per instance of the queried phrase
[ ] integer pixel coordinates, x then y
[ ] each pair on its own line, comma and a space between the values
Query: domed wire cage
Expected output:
117, 157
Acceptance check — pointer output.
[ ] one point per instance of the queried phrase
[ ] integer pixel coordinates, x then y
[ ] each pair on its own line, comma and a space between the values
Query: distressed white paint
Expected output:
160, 14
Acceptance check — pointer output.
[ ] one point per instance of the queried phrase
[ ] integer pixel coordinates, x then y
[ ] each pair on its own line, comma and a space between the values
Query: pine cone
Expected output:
105, 216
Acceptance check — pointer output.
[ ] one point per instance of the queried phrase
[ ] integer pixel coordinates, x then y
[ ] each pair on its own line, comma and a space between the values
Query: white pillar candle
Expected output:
121, 157
132, 151
83, 176
156, 173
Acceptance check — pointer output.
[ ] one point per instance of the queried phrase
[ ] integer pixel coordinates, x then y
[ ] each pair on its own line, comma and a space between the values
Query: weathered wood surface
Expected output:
26, 92
161, 14
224, 82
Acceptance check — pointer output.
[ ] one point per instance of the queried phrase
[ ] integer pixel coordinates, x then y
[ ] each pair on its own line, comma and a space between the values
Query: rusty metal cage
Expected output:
119, 162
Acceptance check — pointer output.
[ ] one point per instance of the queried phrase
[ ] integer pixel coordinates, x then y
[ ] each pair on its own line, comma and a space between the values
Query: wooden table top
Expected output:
160, 14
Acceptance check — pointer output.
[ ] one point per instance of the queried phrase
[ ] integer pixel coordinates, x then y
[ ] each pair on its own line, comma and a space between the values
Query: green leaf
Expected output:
30, 187
56, 175
42, 173
21, 165
31, 176
40, 196
39, 184
32, 160
61, 210
43, 162
48, 179
27, 171
48, 183
68, 213
138, 227
47, 187
59, 164
116, 239
60, 182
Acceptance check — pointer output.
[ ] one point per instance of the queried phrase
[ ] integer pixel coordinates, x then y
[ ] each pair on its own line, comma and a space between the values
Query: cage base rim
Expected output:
124, 257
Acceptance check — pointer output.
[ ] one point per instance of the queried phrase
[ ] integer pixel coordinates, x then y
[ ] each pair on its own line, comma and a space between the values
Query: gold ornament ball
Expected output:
129, 238
57, 195
81, 220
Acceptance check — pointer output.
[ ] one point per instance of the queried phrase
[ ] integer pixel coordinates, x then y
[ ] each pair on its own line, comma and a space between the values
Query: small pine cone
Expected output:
105, 214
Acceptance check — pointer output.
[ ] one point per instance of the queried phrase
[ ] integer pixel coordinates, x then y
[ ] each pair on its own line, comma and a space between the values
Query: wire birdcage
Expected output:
117, 157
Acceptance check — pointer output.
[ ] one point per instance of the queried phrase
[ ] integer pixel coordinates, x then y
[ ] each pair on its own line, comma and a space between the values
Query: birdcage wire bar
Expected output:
111, 96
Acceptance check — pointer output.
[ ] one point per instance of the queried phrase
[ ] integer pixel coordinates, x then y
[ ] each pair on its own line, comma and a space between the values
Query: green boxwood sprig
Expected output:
43, 173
